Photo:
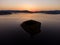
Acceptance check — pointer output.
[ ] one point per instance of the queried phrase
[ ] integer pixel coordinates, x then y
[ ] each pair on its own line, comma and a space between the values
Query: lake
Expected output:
10, 28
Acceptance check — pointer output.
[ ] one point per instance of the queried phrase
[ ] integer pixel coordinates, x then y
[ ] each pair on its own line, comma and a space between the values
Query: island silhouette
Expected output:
32, 27
6, 12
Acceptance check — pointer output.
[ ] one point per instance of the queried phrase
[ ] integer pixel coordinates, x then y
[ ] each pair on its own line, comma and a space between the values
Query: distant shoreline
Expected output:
6, 12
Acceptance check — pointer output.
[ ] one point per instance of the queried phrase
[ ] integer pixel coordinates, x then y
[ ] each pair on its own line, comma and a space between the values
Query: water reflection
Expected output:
10, 27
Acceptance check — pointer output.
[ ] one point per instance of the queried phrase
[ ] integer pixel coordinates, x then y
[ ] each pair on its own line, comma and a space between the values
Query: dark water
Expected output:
12, 32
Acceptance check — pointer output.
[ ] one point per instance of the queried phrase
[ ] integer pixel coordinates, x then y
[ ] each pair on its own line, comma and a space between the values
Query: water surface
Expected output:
50, 26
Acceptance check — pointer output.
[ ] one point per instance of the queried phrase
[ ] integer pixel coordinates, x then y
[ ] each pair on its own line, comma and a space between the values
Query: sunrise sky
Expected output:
32, 5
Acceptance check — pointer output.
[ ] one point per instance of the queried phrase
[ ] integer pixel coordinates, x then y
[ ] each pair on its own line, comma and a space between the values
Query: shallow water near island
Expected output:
10, 27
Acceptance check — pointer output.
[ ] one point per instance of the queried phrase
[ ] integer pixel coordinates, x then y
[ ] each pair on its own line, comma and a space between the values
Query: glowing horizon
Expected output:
31, 5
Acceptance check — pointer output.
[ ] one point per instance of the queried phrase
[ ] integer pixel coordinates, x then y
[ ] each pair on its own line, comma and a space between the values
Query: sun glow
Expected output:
29, 7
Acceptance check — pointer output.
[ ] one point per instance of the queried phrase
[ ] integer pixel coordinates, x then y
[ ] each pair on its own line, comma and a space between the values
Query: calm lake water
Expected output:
50, 26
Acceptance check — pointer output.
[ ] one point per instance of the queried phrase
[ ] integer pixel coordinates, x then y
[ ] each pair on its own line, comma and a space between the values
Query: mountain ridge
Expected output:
5, 12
